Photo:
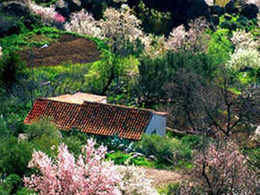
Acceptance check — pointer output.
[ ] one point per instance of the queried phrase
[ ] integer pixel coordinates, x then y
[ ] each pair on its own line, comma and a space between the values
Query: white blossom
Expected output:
135, 182
242, 39
243, 58
83, 23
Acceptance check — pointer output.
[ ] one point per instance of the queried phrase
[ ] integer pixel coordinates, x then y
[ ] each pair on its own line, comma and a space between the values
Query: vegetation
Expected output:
162, 55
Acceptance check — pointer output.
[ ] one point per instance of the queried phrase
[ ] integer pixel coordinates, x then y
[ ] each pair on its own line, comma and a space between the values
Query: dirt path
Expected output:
162, 177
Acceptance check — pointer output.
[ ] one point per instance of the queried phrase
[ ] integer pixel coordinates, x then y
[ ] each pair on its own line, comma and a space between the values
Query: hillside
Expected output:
129, 97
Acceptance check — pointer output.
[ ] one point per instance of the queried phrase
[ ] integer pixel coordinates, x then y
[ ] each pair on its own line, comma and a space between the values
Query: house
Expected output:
91, 114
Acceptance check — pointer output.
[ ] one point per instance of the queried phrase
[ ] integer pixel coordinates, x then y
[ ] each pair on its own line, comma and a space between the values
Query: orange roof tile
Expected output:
92, 117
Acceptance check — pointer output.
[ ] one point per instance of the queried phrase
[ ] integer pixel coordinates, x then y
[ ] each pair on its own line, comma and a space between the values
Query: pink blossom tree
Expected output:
87, 175
48, 15
222, 169
194, 40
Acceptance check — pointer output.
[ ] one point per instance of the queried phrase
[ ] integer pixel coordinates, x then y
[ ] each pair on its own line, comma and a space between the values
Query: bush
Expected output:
10, 68
119, 158
12, 183
43, 135
14, 156
193, 142
168, 151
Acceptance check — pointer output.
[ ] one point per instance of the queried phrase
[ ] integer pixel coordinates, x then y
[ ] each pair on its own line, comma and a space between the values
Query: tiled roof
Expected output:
62, 114
92, 117
105, 119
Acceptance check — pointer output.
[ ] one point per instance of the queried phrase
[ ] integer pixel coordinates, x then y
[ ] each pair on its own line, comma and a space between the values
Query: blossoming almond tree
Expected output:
194, 40
121, 28
87, 175
222, 169
82, 22
48, 14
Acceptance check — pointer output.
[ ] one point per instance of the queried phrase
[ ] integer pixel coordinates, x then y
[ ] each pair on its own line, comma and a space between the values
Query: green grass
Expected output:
120, 158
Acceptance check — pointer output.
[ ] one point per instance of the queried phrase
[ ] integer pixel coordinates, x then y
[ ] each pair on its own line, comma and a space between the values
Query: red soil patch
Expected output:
69, 48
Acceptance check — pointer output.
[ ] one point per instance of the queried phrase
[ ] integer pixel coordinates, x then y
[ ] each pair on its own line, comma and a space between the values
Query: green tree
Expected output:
111, 71
10, 68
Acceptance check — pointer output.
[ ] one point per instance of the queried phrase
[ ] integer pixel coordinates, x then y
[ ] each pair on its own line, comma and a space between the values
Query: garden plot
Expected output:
69, 48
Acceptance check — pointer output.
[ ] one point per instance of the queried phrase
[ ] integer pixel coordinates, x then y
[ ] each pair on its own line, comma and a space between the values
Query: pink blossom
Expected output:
59, 18
89, 174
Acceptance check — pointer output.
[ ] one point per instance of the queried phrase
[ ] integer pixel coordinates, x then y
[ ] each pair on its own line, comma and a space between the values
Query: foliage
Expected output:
118, 158
220, 47
10, 68
88, 174
121, 158
116, 143
43, 135
192, 141
154, 46
244, 58
15, 156
111, 71
169, 151
156, 73
11, 184
222, 169
134, 182
154, 21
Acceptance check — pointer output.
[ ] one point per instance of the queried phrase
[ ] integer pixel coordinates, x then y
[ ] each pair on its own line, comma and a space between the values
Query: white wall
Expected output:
157, 125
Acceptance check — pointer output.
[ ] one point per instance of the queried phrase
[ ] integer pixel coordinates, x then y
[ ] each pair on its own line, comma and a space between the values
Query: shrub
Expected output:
11, 183
10, 68
43, 135
14, 156
192, 141
168, 151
